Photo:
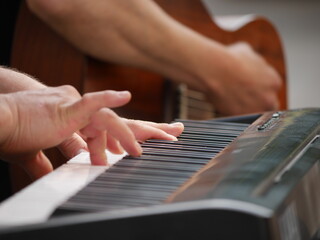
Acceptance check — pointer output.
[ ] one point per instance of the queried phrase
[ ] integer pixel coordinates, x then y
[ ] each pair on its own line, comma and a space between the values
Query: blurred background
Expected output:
298, 23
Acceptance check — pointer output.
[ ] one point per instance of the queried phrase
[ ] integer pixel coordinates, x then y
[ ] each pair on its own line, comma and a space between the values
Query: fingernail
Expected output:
138, 148
177, 124
123, 94
175, 139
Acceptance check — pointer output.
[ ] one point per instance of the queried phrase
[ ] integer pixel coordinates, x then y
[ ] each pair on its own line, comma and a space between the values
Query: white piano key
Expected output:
36, 202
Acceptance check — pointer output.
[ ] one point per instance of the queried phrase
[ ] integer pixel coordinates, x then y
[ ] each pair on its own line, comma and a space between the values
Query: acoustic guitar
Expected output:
40, 52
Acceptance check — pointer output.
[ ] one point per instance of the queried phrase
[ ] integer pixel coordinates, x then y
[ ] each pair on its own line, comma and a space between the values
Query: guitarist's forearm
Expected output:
139, 33
132, 32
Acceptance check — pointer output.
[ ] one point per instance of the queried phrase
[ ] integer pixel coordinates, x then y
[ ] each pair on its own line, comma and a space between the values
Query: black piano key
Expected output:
181, 147
205, 128
96, 206
151, 187
127, 196
130, 193
205, 138
161, 167
195, 143
140, 179
209, 123
126, 186
211, 134
213, 129
214, 125
131, 185
103, 204
124, 198
180, 153
149, 172
149, 157
186, 167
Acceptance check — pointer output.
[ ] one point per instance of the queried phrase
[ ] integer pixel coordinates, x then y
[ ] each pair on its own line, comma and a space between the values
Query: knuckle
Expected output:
271, 102
68, 89
276, 82
86, 98
110, 114
134, 124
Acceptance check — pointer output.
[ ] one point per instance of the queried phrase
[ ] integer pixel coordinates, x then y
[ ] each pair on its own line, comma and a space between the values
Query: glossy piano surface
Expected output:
222, 179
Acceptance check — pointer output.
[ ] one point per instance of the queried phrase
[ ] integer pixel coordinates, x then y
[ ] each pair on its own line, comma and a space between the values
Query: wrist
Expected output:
13, 81
214, 66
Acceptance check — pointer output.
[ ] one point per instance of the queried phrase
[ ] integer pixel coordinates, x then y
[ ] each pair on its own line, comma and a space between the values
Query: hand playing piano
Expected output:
57, 116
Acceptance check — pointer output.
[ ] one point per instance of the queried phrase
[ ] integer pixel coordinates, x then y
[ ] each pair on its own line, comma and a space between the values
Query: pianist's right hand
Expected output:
33, 120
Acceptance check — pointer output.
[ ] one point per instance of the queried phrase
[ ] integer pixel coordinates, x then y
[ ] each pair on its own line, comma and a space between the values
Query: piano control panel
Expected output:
270, 122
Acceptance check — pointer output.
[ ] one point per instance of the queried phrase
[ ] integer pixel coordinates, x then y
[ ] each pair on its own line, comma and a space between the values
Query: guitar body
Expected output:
40, 52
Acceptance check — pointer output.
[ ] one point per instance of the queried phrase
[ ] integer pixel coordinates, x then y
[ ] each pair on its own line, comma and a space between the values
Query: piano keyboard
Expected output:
251, 177
163, 167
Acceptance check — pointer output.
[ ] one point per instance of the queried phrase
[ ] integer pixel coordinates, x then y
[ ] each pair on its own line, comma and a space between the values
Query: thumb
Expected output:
72, 146
37, 166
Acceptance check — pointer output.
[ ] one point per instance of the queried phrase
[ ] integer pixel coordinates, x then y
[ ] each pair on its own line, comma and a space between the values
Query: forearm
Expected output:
133, 32
13, 81
139, 33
